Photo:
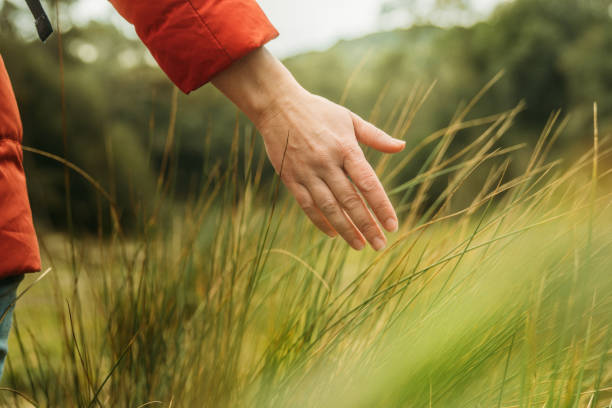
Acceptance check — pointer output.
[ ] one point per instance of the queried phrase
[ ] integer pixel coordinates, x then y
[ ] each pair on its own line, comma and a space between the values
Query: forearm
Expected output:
257, 84
313, 144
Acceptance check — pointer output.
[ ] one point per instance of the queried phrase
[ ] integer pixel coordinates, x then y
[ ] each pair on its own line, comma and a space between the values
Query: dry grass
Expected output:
233, 299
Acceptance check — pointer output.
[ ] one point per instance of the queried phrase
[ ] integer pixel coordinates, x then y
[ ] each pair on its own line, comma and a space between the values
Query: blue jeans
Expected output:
8, 293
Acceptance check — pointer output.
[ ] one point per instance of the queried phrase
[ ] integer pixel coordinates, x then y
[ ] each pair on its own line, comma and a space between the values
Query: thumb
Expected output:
372, 136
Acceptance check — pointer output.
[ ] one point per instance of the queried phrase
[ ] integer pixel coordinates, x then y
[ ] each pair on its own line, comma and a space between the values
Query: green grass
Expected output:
498, 298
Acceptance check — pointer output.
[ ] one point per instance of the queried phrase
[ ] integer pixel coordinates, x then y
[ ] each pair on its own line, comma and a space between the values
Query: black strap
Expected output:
43, 25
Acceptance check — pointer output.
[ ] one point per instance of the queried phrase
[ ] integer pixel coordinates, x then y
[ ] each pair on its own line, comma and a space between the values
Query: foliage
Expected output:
502, 300
555, 55
495, 291
429, 10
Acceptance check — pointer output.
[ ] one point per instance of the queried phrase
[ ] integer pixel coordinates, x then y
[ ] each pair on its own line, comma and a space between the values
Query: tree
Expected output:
444, 12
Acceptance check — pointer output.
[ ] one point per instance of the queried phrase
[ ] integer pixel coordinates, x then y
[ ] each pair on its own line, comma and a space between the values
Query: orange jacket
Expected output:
194, 39
191, 40
18, 246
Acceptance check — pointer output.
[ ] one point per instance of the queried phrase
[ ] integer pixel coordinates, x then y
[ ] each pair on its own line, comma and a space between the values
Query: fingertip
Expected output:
391, 224
327, 229
399, 145
388, 144
358, 245
378, 244
331, 234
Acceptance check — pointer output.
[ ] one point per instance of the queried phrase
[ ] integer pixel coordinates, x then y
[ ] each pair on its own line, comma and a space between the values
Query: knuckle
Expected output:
315, 220
320, 160
328, 206
301, 196
306, 205
368, 184
351, 150
351, 201
369, 230
303, 199
286, 177
383, 210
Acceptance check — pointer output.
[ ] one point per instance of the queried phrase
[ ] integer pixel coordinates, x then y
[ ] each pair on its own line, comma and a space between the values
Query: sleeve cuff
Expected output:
192, 40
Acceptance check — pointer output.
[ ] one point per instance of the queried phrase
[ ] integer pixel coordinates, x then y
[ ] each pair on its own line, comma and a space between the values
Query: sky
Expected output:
318, 24
303, 25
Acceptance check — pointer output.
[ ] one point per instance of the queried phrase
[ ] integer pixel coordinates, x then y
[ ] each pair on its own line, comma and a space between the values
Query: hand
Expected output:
317, 143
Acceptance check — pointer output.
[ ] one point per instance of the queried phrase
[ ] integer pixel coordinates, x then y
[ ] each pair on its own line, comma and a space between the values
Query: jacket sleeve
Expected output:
192, 40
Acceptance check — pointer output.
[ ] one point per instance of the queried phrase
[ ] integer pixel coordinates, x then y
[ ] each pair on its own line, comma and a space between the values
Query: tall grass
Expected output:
499, 298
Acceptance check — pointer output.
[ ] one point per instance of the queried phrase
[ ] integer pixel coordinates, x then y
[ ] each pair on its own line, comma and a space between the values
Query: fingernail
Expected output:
378, 244
358, 245
391, 224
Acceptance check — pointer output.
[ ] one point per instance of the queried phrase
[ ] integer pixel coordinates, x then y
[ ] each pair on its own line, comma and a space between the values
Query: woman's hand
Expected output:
317, 144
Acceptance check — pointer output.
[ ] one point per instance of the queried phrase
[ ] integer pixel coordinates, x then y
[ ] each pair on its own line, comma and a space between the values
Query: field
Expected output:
499, 298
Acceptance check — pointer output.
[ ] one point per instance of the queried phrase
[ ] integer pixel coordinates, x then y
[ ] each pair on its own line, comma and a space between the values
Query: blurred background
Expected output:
556, 54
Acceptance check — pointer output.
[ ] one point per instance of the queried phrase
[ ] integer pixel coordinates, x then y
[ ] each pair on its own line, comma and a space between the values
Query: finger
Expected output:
364, 177
331, 209
372, 136
307, 204
356, 209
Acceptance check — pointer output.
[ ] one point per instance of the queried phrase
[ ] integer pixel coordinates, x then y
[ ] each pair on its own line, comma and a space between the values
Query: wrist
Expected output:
259, 84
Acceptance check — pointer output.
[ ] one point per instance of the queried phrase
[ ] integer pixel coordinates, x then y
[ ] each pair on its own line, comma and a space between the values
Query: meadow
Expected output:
495, 296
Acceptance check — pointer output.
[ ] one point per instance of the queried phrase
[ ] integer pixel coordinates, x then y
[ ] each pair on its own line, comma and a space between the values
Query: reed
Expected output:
232, 299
